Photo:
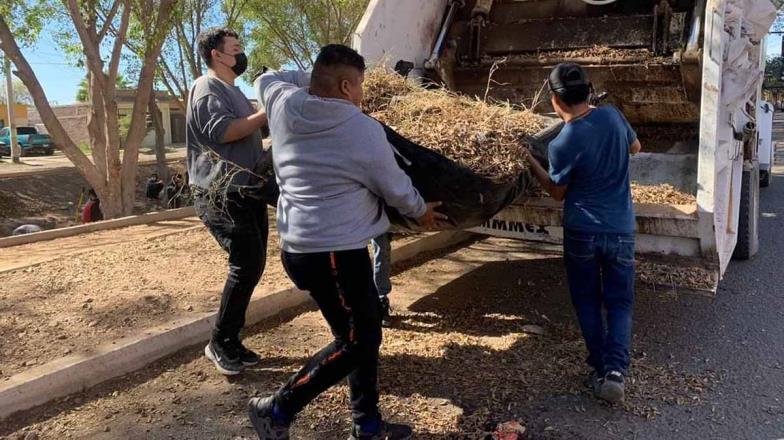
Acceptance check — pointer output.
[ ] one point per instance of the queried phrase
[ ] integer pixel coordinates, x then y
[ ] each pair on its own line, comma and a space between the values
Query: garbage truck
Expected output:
686, 73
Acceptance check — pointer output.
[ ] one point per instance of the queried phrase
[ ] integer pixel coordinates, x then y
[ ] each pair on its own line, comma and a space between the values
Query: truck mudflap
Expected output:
748, 222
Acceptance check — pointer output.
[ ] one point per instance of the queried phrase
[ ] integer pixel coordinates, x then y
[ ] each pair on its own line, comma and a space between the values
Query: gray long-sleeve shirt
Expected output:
334, 166
212, 105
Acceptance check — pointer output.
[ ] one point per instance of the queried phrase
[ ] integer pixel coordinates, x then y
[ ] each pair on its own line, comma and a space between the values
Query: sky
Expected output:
60, 80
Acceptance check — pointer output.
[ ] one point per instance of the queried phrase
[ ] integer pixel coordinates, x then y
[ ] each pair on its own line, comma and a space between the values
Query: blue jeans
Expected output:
382, 264
600, 269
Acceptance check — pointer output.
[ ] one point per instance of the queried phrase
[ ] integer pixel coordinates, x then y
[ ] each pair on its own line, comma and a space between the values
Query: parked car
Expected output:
29, 139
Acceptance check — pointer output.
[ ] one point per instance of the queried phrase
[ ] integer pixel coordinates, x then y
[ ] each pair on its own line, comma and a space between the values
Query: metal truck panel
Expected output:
765, 129
399, 30
707, 84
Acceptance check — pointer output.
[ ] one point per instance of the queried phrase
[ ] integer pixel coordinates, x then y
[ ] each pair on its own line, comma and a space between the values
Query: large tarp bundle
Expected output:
468, 199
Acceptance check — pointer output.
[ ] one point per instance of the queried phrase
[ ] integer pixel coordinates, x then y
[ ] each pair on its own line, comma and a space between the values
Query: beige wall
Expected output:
20, 115
73, 118
149, 140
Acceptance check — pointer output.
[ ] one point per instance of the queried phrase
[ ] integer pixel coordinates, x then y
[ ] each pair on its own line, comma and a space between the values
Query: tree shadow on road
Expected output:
479, 356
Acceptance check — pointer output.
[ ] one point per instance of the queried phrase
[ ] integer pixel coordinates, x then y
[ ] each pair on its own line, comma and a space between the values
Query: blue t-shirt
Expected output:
591, 156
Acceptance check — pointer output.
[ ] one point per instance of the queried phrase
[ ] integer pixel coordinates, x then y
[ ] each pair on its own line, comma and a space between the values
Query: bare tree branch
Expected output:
53, 125
144, 91
89, 42
119, 40
108, 20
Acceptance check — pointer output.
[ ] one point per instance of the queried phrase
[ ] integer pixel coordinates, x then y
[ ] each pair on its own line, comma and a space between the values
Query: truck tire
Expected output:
748, 230
764, 179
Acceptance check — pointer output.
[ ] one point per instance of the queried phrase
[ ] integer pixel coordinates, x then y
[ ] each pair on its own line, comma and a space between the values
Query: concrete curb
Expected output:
76, 373
152, 217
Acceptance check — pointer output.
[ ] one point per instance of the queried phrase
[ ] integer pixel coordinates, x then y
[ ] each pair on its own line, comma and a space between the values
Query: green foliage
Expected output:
774, 70
85, 147
125, 124
82, 93
27, 18
21, 94
291, 32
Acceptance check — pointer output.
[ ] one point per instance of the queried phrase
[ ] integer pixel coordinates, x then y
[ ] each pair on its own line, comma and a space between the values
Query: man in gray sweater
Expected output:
336, 171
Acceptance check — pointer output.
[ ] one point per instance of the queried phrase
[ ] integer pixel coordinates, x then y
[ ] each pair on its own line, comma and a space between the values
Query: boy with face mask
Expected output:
223, 134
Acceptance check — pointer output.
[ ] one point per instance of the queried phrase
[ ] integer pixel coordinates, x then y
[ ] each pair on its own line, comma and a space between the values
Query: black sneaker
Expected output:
611, 388
247, 357
593, 383
260, 414
386, 316
387, 431
225, 357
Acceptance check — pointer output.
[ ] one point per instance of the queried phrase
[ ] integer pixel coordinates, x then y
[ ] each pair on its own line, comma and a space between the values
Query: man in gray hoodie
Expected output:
336, 171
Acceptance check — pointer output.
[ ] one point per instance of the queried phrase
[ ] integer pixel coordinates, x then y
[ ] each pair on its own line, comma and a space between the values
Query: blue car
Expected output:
28, 139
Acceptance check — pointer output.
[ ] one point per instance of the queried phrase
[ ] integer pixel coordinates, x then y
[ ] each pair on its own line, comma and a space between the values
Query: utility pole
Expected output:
9, 100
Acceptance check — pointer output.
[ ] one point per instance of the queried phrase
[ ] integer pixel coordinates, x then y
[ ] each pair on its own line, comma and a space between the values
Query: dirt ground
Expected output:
483, 335
52, 200
72, 304
39, 252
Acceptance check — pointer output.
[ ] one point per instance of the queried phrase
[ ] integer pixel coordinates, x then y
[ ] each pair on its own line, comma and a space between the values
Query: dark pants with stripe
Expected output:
341, 283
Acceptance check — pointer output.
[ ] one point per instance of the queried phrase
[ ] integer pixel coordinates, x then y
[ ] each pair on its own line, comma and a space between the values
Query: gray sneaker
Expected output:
260, 414
611, 388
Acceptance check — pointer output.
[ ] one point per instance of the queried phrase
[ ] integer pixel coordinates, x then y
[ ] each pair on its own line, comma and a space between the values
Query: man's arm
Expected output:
243, 127
218, 121
384, 178
558, 192
635, 147
268, 84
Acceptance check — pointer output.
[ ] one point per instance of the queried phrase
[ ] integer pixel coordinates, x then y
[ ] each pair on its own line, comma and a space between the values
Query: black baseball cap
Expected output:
566, 76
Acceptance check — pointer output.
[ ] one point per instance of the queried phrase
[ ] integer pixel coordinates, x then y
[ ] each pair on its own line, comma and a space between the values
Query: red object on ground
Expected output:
512, 430
91, 212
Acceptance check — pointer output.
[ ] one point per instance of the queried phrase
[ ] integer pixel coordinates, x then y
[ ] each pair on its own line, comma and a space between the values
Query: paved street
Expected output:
58, 162
739, 334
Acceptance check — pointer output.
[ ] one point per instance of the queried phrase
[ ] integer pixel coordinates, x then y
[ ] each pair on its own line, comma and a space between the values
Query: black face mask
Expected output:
240, 63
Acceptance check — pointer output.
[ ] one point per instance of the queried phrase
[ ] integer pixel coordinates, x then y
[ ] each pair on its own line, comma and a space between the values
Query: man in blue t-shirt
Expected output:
589, 169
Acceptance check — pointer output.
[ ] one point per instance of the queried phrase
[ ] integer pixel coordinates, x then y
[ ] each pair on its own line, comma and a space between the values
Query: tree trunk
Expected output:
53, 125
160, 148
113, 178
144, 88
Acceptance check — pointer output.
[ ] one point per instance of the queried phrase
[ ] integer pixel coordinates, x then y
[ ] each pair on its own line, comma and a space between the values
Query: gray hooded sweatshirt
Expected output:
334, 167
